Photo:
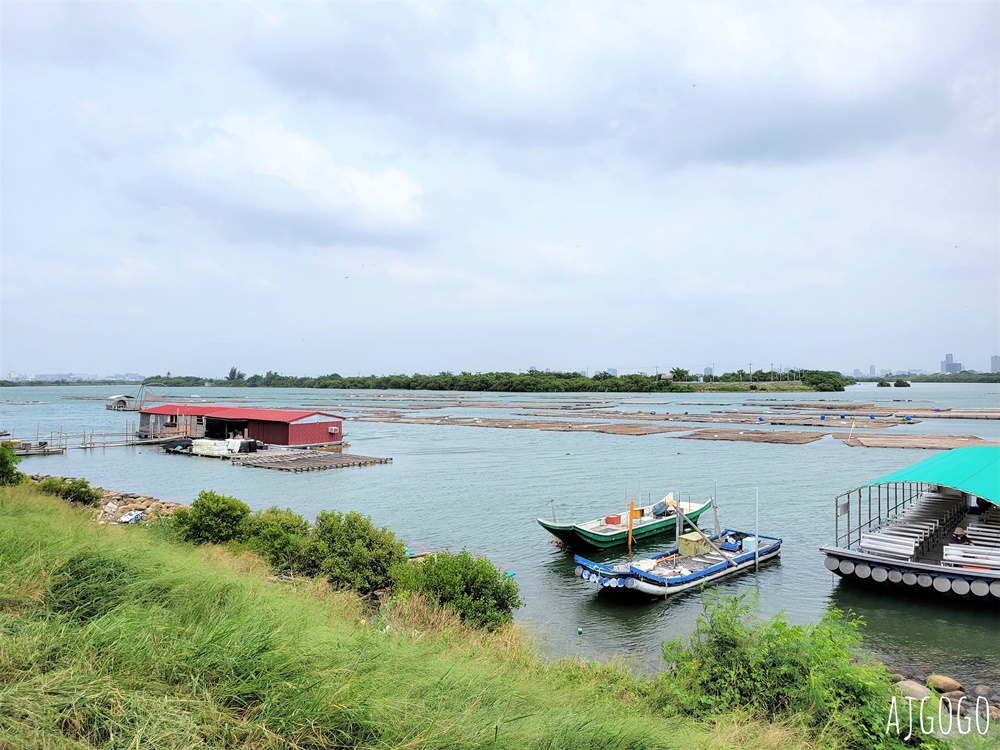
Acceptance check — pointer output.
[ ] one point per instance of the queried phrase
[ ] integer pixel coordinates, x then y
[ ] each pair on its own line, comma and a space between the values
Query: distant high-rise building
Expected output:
871, 371
857, 372
949, 365
709, 371
612, 371
995, 363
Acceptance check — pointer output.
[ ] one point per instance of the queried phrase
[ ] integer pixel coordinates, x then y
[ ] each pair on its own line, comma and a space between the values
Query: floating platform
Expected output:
304, 460
928, 442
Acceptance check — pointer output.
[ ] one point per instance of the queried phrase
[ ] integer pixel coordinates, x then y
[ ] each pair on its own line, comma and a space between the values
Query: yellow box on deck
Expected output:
693, 545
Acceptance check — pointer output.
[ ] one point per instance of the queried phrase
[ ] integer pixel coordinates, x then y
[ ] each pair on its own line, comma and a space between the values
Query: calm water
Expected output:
454, 487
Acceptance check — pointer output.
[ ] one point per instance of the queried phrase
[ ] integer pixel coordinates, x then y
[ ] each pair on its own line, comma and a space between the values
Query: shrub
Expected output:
350, 551
811, 674
212, 518
472, 586
74, 490
281, 537
9, 474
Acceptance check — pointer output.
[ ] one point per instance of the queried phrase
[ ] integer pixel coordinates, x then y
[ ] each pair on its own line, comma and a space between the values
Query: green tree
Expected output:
351, 551
280, 536
9, 474
900, 383
212, 518
472, 586
680, 374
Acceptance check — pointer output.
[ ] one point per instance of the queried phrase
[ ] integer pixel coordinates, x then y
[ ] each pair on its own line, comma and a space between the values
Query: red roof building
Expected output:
273, 426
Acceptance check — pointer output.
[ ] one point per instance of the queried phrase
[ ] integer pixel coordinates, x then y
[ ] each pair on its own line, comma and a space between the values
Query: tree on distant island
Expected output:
883, 383
900, 383
235, 375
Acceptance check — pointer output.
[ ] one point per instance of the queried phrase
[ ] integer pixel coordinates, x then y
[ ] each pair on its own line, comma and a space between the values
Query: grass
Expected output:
111, 637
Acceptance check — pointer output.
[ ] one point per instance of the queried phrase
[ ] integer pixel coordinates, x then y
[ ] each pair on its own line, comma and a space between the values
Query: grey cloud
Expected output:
411, 66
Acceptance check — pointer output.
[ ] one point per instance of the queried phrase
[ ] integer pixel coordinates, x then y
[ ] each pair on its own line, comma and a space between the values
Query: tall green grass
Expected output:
113, 638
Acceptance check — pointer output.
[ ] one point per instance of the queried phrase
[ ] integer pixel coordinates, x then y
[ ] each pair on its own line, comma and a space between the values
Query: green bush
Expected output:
281, 537
9, 475
472, 586
74, 490
812, 675
350, 551
212, 518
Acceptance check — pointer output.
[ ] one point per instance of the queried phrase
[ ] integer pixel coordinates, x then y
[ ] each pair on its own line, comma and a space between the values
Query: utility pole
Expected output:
751, 372
771, 367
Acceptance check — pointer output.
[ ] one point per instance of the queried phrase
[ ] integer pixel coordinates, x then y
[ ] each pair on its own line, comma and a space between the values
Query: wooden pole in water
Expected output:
631, 508
756, 528
715, 509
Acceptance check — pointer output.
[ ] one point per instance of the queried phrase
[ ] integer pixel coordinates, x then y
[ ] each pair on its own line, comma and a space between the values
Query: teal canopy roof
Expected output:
975, 470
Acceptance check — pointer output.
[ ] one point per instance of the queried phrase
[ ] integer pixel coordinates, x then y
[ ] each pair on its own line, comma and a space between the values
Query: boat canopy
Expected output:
975, 469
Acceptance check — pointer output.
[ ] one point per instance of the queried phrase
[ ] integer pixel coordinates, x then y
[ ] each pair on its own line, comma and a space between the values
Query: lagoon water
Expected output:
478, 488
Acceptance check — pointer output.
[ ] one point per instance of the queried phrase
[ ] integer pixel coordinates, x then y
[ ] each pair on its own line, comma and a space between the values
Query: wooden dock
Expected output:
304, 460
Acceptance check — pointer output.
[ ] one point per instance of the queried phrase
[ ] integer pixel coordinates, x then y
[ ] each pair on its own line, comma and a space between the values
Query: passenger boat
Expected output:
696, 561
612, 530
899, 530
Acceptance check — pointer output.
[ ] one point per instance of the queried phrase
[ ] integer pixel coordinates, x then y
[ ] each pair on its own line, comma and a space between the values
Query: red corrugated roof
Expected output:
235, 412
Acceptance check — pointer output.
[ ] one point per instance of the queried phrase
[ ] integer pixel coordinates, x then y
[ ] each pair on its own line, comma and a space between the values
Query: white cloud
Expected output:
240, 151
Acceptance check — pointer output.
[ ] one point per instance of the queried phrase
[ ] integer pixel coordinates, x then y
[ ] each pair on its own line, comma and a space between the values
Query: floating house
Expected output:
901, 530
272, 426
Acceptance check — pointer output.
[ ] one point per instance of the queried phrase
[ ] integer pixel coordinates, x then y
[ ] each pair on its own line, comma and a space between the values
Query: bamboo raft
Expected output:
784, 437
753, 418
304, 460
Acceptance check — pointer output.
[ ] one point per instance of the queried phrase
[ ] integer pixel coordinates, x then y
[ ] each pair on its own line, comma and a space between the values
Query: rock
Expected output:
994, 713
913, 689
981, 691
942, 684
954, 695
920, 677
897, 677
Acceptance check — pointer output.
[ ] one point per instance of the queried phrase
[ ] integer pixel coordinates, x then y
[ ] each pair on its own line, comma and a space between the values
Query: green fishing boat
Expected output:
648, 521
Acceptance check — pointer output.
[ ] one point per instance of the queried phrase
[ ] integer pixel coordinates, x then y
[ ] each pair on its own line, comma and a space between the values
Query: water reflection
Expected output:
922, 631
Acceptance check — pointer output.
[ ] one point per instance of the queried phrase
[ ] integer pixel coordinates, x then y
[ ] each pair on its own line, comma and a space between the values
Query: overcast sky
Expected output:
416, 187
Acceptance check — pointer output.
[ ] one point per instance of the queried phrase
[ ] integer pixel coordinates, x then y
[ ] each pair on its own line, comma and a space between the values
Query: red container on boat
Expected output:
613, 519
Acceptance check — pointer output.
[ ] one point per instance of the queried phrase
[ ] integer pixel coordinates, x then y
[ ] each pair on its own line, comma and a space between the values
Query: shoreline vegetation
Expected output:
533, 381
538, 381
119, 636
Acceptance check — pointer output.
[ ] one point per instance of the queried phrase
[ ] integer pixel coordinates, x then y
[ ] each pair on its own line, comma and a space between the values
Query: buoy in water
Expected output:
579, 631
